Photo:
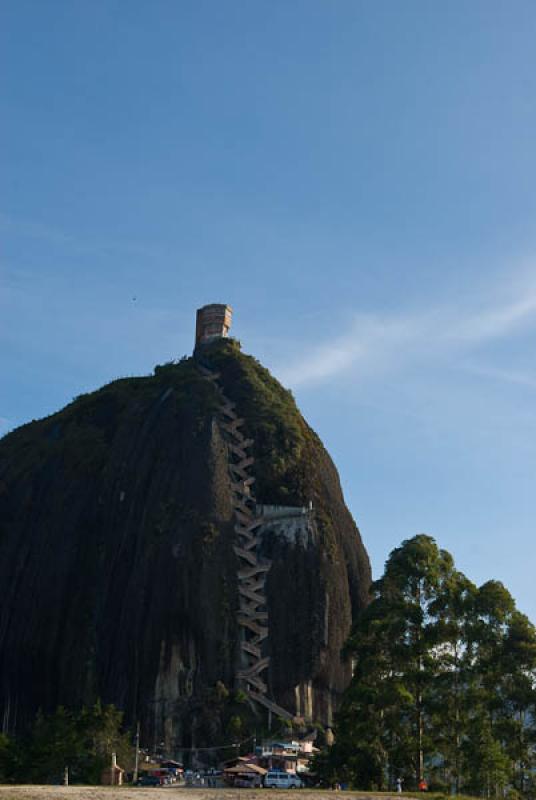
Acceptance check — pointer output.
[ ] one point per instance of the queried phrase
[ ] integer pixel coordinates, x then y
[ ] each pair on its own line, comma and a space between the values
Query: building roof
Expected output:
245, 767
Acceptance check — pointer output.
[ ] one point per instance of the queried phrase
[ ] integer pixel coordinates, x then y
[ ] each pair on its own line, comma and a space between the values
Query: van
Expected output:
277, 779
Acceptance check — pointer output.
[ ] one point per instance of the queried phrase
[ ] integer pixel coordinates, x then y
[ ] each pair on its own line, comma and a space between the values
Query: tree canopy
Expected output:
82, 740
444, 682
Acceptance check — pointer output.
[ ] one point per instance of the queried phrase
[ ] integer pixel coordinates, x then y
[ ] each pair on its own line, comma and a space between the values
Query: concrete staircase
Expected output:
252, 614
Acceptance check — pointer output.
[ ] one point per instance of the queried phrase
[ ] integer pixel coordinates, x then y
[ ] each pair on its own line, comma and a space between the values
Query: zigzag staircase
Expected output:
252, 613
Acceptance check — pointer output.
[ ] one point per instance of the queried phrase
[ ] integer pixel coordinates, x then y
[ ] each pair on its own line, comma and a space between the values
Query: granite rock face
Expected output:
118, 578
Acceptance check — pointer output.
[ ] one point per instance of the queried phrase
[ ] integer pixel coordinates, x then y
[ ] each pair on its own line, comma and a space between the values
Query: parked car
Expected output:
249, 782
277, 779
149, 780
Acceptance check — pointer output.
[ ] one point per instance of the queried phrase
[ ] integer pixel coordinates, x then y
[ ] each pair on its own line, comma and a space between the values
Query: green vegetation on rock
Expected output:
283, 440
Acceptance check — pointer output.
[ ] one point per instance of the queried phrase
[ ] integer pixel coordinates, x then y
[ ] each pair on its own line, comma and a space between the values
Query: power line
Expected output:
219, 747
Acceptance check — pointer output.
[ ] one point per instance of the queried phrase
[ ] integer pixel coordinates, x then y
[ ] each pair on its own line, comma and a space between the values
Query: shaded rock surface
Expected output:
117, 571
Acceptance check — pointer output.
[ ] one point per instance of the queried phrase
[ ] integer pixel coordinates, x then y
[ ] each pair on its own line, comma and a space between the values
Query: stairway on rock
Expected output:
252, 614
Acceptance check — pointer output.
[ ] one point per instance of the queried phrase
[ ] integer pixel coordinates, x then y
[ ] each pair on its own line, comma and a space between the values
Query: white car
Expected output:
276, 779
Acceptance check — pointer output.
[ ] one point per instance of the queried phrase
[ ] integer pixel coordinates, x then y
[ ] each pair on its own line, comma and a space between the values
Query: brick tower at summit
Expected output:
212, 322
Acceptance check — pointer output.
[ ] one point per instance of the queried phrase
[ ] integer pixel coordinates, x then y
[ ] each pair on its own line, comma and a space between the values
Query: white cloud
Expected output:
368, 344
505, 375
376, 343
496, 322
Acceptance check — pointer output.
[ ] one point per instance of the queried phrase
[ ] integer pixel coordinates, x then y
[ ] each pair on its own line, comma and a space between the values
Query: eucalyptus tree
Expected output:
449, 709
395, 649
503, 699
444, 681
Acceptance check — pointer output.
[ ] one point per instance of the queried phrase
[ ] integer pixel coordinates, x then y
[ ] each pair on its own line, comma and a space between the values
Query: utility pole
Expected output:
137, 761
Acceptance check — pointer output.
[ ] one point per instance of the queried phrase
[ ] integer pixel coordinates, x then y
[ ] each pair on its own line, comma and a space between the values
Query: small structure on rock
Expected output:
212, 322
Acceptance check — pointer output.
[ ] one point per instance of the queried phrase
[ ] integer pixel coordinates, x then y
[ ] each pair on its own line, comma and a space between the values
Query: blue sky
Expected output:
355, 178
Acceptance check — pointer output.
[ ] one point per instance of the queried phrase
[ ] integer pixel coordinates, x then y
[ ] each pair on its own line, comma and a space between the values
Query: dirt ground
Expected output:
174, 792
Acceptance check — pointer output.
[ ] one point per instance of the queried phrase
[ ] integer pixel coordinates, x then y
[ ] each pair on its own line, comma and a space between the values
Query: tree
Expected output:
54, 744
100, 731
448, 708
393, 647
444, 682
6, 758
487, 762
503, 647
81, 740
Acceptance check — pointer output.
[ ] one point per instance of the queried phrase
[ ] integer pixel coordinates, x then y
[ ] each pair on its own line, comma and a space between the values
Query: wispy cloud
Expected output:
493, 323
369, 342
518, 377
373, 344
